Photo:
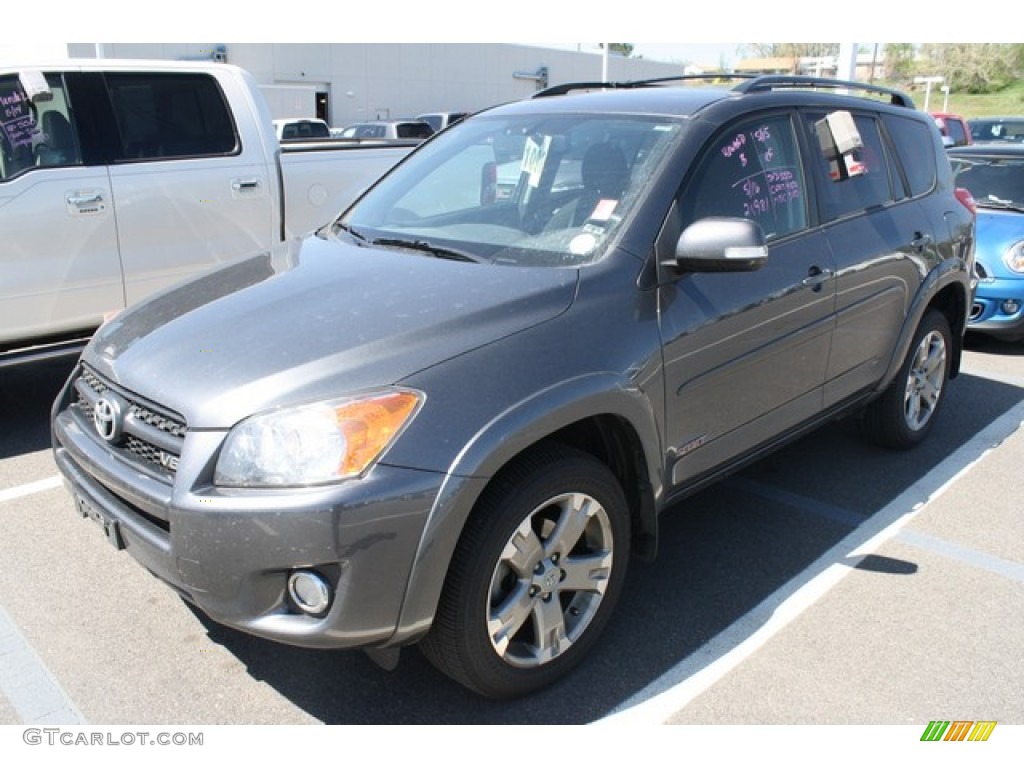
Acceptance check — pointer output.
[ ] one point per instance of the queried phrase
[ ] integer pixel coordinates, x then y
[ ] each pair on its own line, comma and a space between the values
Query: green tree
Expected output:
974, 67
899, 61
623, 49
790, 50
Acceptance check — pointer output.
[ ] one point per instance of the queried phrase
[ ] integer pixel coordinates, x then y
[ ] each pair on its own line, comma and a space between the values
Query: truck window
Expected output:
170, 115
40, 134
751, 170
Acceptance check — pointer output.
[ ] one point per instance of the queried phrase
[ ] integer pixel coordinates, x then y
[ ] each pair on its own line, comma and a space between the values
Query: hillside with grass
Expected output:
1009, 101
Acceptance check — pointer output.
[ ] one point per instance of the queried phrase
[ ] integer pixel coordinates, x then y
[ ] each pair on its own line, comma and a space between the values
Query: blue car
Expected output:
994, 175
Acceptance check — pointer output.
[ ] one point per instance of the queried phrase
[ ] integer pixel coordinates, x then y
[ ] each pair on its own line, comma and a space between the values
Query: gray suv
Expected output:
452, 416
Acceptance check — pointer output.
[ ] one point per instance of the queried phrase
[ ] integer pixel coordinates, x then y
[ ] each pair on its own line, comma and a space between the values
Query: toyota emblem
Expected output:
106, 415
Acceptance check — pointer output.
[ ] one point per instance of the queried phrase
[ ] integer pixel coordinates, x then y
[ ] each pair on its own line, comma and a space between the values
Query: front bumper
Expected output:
230, 551
998, 308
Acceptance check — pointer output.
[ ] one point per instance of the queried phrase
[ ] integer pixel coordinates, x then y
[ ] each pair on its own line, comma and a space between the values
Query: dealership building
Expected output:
350, 82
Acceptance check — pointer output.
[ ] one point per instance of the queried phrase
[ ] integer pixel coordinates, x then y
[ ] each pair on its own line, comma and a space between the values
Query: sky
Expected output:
674, 35
682, 53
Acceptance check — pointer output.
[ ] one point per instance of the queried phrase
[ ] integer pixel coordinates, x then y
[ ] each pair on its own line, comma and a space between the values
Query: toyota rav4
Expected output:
452, 416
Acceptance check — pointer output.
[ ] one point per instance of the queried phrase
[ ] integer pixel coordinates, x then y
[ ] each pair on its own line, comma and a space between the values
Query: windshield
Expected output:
997, 130
993, 182
540, 190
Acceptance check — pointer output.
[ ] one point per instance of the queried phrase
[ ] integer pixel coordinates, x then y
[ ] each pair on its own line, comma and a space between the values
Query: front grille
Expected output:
150, 436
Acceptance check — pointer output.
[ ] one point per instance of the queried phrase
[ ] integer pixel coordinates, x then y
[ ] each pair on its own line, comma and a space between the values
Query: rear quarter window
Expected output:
162, 116
916, 149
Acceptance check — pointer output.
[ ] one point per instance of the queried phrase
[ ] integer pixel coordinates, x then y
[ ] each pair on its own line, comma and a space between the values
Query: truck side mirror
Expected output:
33, 82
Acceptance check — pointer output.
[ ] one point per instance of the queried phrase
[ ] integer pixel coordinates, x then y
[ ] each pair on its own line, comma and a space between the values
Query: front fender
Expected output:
493, 446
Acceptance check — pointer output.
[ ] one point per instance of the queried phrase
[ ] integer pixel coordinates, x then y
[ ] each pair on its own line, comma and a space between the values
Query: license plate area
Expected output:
111, 528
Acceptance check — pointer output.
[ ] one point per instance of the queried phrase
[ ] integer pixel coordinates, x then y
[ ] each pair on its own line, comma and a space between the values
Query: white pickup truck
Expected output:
121, 178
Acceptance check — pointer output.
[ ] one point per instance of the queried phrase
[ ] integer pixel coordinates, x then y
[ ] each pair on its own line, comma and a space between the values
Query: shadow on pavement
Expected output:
26, 394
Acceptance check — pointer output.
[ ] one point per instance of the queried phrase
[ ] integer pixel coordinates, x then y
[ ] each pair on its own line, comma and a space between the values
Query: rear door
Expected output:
59, 266
745, 353
193, 186
882, 242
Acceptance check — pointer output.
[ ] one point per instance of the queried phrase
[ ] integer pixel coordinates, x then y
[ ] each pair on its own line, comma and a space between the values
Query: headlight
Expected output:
316, 443
1014, 257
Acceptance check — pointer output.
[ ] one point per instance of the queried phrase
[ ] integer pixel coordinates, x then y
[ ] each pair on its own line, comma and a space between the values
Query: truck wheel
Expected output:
905, 413
535, 576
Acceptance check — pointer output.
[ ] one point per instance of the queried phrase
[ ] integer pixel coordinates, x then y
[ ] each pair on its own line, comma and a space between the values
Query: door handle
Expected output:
92, 198
816, 276
245, 185
921, 241
82, 202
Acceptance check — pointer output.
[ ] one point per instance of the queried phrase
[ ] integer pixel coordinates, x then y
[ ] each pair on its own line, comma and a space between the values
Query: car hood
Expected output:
997, 231
315, 320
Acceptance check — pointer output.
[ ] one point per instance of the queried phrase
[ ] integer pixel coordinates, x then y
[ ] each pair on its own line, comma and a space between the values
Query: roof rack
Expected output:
771, 82
753, 83
564, 88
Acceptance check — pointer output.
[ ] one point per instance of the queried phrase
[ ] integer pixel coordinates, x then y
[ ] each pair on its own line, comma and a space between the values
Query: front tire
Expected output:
535, 576
906, 411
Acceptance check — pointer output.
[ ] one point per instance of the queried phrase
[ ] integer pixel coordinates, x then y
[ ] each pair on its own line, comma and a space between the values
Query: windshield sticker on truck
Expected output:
534, 156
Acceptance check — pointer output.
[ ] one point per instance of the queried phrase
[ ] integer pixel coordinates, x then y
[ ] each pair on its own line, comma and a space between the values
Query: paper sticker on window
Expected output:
534, 156
603, 210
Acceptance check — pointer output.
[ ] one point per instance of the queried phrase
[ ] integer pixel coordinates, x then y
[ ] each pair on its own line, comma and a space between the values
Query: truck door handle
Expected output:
245, 185
84, 202
816, 276
920, 242
93, 198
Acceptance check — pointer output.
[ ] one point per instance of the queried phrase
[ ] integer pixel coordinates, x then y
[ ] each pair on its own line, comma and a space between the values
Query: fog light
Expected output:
310, 592
1010, 307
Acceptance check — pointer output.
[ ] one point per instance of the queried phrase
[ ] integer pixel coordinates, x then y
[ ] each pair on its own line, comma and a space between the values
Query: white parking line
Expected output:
971, 557
695, 674
28, 489
28, 685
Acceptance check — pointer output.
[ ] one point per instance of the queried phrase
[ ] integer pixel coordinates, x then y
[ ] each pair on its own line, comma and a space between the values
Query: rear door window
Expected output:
170, 115
871, 188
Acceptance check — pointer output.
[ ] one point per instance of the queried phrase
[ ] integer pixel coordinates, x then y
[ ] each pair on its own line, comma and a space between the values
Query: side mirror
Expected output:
35, 86
721, 244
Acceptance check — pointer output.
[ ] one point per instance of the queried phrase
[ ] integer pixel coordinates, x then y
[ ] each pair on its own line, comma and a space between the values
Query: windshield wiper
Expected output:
355, 233
425, 247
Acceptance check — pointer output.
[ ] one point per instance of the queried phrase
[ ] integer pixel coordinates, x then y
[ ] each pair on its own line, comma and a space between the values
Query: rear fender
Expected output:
947, 288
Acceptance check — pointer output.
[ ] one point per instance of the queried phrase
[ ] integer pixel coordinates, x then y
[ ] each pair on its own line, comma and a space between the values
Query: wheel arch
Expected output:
596, 414
947, 291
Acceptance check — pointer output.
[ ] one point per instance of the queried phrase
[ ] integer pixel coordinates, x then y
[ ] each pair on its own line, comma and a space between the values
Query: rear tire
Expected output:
535, 576
906, 411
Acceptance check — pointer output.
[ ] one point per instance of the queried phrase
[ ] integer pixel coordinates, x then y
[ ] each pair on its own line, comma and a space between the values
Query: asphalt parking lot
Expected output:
832, 583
